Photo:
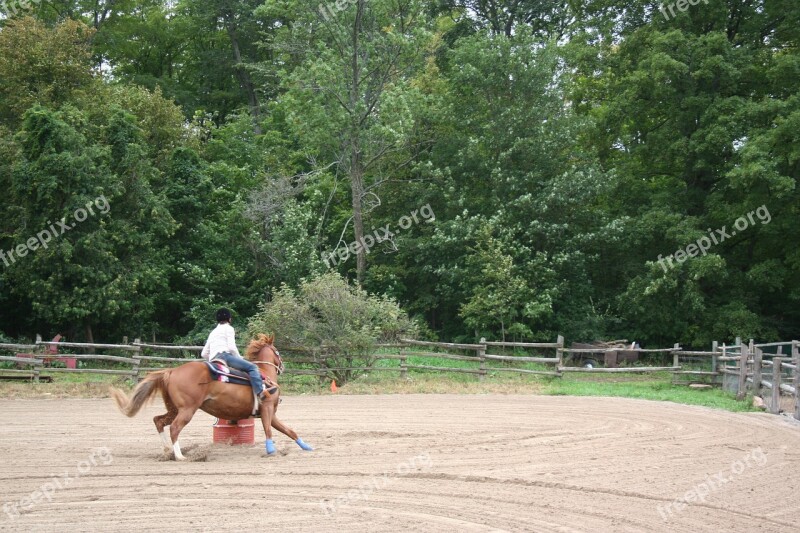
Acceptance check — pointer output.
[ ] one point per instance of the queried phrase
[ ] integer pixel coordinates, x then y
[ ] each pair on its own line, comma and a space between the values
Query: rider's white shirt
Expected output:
221, 339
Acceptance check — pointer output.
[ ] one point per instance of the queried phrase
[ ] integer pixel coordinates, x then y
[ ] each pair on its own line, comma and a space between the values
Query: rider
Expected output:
221, 344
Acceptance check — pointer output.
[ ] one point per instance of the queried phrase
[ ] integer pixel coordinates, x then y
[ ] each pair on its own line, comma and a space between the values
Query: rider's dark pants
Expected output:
240, 363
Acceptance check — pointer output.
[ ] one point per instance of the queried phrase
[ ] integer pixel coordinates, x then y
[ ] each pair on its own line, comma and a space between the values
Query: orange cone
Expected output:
333, 386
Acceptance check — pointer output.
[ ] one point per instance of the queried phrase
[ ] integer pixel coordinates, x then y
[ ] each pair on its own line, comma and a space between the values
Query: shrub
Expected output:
335, 322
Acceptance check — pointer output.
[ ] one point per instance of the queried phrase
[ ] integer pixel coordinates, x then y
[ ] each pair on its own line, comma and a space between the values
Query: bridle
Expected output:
280, 368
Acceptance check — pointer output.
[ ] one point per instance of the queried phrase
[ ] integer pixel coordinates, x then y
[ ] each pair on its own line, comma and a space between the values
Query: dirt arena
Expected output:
406, 463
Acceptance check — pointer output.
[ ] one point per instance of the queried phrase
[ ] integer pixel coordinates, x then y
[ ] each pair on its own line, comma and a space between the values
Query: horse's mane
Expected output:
257, 344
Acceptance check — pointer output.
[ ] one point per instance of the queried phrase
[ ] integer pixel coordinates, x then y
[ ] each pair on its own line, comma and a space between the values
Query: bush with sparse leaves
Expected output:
335, 322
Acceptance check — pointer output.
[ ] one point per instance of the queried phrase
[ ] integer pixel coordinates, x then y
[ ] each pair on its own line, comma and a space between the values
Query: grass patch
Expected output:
652, 387
386, 379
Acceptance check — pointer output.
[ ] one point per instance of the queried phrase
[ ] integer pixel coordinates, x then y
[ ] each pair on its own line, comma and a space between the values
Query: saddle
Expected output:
223, 373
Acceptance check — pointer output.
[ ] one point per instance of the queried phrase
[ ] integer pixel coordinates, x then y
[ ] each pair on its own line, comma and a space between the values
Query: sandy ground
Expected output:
406, 463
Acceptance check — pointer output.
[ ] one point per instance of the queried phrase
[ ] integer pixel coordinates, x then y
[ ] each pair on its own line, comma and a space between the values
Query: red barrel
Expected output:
234, 431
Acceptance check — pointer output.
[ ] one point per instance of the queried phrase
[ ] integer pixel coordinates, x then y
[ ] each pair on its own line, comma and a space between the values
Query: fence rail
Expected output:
741, 368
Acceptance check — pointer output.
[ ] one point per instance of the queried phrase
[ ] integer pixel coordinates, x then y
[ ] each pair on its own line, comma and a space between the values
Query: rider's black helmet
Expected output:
223, 315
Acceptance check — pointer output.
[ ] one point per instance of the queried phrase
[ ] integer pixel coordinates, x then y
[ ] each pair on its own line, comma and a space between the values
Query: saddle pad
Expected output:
221, 372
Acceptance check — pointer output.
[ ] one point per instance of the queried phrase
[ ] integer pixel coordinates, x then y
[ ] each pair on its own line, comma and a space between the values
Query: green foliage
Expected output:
336, 322
498, 294
42, 65
87, 273
564, 148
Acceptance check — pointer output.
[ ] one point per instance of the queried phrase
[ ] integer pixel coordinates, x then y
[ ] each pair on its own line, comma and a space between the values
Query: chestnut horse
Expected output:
189, 387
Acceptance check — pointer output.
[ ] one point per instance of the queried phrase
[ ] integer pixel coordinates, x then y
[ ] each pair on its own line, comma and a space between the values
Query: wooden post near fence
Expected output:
403, 364
796, 359
775, 407
136, 359
744, 355
758, 356
481, 355
714, 348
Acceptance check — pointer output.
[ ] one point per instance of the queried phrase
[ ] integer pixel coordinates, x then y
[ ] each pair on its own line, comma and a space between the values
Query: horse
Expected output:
190, 387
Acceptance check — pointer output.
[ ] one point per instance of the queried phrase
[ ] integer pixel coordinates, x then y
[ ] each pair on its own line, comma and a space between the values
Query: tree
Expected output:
349, 99
40, 65
92, 258
499, 295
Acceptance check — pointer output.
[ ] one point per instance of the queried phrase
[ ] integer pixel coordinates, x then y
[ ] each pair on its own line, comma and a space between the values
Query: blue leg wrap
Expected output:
270, 447
303, 445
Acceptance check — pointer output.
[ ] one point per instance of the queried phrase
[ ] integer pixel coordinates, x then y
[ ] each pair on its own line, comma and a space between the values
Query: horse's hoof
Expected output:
304, 446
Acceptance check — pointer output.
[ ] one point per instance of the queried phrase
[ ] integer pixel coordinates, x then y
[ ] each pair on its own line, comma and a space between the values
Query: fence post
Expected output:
744, 355
481, 353
796, 357
39, 352
676, 358
560, 352
714, 350
136, 359
758, 356
775, 408
403, 365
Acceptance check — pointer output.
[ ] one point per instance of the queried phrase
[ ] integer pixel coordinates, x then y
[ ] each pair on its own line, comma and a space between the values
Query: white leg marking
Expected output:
177, 449
165, 439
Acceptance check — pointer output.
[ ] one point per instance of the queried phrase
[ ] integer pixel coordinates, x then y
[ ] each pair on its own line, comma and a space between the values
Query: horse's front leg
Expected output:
267, 414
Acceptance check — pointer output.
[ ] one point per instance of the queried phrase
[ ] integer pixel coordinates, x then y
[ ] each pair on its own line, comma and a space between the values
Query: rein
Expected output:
278, 368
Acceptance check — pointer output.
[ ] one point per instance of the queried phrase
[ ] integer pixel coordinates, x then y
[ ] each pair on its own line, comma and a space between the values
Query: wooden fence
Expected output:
764, 370
771, 370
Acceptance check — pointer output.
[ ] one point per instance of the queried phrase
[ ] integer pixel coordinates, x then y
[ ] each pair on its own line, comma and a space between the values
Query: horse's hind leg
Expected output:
289, 432
283, 428
182, 418
163, 421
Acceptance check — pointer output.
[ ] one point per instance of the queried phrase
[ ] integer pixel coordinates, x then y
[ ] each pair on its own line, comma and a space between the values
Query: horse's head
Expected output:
261, 350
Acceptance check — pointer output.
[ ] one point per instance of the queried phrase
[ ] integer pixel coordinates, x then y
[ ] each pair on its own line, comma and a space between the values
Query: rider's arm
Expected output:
206, 353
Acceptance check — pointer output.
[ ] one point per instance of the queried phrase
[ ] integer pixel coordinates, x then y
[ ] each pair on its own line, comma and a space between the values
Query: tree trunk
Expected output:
244, 76
89, 336
356, 170
357, 189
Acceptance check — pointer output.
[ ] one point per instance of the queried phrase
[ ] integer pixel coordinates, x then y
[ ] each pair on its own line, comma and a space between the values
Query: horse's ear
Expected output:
270, 338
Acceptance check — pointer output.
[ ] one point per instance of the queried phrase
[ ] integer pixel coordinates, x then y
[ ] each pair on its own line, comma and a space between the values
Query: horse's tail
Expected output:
153, 383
